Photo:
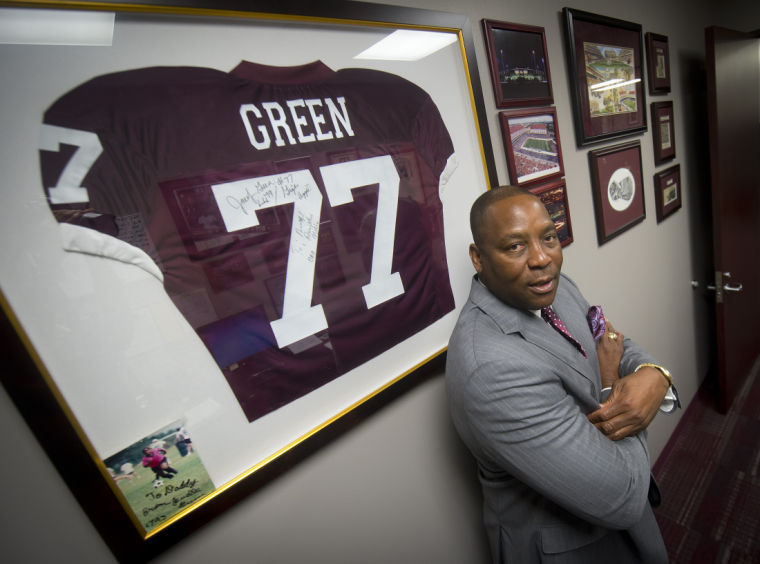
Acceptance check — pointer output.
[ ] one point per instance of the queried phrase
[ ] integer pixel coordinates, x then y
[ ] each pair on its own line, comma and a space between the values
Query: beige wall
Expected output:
399, 487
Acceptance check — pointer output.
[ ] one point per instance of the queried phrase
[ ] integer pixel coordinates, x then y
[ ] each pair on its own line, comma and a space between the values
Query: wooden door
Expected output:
733, 99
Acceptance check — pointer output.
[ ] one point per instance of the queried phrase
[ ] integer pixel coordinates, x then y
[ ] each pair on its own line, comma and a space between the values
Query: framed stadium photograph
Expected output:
605, 64
658, 63
227, 224
663, 132
554, 197
519, 64
531, 144
618, 189
667, 191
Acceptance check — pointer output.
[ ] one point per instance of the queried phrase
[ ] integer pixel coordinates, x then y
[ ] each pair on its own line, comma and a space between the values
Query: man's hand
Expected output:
609, 350
632, 404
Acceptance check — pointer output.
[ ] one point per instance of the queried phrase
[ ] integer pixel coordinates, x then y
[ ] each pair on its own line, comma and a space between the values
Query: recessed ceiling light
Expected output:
55, 27
407, 45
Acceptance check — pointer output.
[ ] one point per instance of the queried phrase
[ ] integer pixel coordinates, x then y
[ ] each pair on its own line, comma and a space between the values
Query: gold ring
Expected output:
612, 336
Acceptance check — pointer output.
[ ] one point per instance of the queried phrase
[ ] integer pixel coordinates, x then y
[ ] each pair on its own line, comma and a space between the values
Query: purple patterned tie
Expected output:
548, 315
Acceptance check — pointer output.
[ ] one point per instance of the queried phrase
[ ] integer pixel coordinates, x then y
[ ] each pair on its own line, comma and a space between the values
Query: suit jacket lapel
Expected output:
535, 330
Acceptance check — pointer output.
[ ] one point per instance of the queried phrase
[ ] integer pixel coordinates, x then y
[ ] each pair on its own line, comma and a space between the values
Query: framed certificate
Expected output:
667, 191
663, 132
658, 63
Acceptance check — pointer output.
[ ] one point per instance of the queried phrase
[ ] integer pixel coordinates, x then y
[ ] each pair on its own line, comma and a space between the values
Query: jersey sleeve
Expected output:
88, 158
431, 137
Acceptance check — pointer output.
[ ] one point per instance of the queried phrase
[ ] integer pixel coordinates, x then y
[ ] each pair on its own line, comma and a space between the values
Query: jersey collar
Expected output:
310, 72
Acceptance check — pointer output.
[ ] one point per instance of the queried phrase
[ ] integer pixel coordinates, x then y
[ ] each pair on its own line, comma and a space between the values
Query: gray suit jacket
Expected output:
555, 488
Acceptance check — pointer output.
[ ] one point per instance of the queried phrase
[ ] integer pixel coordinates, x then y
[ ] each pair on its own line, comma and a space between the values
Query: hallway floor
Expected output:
708, 475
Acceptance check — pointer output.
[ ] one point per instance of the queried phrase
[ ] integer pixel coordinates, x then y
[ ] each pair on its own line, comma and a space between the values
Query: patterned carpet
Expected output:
708, 475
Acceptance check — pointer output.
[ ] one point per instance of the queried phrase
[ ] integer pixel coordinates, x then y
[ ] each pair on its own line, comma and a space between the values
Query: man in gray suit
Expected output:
563, 479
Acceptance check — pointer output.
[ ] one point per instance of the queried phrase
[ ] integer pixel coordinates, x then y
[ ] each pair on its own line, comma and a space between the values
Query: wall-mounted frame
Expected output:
124, 357
618, 188
554, 197
605, 64
658, 63
519, 64
667, 191
663, 132
531, 144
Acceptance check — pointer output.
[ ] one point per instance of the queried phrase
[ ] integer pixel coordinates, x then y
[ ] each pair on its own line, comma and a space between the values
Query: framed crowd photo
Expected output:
605, 63
217, 246
554, 197
658, 63
532, 145
519, 64
663, 132
667, 191
618, 189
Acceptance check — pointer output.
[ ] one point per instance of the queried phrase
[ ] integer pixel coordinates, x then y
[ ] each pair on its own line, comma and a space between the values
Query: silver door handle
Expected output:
727, 287
720, 286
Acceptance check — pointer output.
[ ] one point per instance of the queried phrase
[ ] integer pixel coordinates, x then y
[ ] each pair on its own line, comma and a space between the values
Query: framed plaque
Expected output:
618, 189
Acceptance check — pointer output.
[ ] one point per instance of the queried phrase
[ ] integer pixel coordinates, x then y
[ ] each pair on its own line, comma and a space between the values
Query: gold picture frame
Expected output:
64, 319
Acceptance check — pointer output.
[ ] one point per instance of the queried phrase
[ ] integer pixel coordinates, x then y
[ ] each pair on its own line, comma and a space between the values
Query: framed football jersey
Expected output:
234, 226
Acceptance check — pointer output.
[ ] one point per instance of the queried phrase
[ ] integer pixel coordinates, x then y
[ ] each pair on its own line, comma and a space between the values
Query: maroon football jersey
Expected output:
293, 211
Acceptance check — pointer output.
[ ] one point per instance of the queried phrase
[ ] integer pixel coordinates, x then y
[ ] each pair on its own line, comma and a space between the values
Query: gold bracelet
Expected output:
662, 369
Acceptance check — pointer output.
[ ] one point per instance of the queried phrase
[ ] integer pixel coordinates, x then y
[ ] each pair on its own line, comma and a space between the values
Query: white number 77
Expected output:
237, 199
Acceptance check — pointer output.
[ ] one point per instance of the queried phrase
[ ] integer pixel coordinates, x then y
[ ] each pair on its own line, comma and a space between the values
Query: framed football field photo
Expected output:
532, 144
227, 222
